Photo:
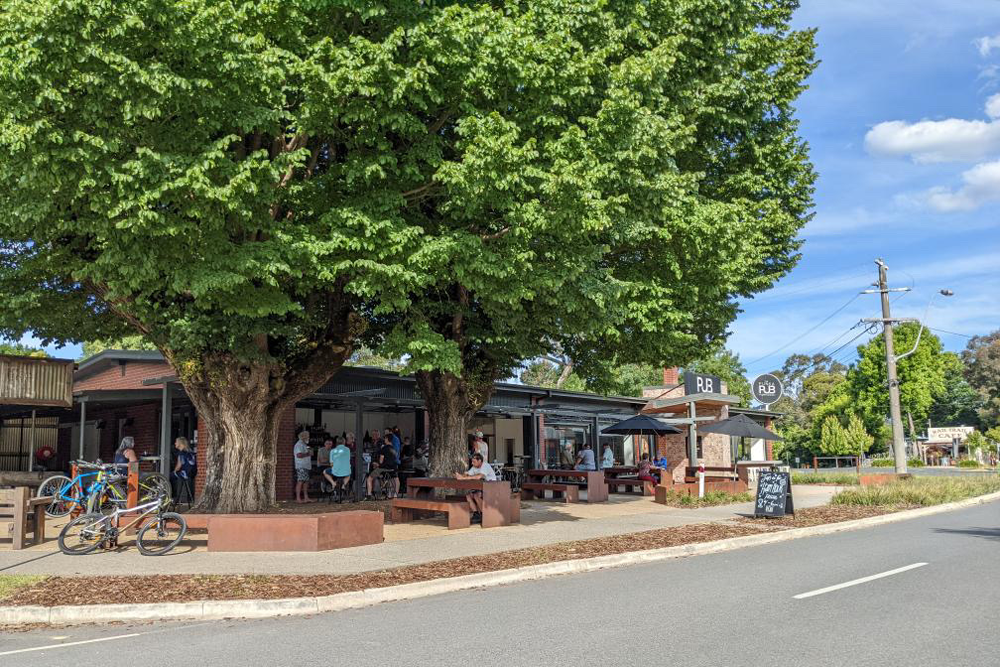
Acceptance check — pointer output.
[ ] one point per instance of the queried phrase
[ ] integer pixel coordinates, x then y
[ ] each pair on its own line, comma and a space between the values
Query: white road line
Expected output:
862, 580
85, 641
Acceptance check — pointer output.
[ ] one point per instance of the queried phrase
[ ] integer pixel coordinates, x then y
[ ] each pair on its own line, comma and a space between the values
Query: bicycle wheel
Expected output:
83, 534
151, 485
161, 534
61, 504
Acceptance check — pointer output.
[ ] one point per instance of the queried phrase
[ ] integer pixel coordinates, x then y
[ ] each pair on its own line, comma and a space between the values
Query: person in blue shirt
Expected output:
608, 461
396, 442
339, 472
186, 467
585, 459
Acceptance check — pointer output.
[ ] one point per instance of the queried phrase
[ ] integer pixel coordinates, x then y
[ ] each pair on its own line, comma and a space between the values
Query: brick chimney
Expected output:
671, 376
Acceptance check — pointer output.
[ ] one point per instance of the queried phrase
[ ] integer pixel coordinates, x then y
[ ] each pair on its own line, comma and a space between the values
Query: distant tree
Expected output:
959, 404
365, 356
544, 373
921, 378
90, 348
982, 369
833, 441
18, 350
977, 442
858, 439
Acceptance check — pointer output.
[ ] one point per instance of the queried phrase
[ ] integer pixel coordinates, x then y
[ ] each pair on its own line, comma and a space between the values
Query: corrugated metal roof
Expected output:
36, 381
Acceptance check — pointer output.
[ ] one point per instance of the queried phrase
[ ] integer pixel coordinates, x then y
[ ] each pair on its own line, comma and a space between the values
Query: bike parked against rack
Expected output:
156, 536
97, 487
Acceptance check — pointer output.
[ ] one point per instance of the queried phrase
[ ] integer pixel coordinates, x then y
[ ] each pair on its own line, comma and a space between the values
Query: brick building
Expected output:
127, 393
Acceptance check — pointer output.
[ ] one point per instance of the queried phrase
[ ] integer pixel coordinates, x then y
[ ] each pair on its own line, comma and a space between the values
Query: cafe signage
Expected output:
766, 389
696, 383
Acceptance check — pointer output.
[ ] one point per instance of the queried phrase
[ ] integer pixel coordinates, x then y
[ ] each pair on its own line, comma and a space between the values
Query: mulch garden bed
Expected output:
182, 588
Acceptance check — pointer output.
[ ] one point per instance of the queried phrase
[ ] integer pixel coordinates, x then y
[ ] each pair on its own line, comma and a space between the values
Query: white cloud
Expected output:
981, 186
993, 107
948, 140
987, 44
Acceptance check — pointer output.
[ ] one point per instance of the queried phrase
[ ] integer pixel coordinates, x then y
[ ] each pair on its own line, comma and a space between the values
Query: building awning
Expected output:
680, 403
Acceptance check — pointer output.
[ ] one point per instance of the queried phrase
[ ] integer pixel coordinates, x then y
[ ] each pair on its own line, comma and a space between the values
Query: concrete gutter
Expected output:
222, 609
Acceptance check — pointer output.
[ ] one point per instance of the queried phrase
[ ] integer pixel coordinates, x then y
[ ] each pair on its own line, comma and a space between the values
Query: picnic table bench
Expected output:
565, 485
27, 515
628, 477
498, 502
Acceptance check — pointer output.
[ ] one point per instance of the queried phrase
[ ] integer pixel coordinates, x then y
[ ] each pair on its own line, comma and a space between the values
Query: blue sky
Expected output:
898, 117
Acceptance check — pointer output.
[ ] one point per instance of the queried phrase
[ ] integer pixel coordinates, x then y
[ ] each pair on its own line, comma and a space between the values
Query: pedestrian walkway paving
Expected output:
542, 523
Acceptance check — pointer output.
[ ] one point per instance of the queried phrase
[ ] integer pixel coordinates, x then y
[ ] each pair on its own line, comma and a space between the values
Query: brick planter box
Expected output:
289, 532
734, 486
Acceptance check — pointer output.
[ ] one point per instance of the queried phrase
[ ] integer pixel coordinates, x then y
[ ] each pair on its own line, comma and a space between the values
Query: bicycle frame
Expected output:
112, 520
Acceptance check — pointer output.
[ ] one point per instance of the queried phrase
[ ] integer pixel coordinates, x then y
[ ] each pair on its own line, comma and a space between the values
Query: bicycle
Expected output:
68, 494
157, 537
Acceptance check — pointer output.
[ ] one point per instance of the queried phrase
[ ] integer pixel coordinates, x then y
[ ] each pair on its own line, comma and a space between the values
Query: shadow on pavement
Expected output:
986, 533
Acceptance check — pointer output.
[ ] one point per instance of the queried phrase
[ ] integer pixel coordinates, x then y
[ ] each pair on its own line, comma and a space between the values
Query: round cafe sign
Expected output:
766, 389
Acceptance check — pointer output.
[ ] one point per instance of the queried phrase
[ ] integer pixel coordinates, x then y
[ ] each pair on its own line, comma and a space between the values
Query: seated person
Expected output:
480, 470
323, 455
384, 460
339, 472
608, 460
646, 469
585, 459
420, 462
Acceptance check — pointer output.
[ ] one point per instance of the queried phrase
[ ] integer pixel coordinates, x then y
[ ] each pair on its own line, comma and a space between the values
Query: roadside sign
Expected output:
766, 389
774, 495
698, 383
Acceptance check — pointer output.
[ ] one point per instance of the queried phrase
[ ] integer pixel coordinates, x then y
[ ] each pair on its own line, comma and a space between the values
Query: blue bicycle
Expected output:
68, 494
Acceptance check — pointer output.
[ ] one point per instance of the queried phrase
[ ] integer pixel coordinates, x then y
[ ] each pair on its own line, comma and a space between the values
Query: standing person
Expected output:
481, 446
303, 467
397, 442
608, 460
585, 459
185, 469
349, 440
339, 472
480, 469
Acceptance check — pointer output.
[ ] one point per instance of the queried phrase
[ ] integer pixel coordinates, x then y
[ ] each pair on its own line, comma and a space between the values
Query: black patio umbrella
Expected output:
742, 427
641, 425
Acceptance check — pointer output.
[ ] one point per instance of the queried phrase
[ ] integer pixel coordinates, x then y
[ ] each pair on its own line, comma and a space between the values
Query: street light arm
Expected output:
923, 326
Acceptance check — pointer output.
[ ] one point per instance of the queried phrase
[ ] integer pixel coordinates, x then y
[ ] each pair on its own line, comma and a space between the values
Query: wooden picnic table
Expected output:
496, 499
593, 480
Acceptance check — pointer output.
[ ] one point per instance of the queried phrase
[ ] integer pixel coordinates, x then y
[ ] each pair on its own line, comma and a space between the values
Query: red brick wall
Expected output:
145, 428
134, 373
284, 481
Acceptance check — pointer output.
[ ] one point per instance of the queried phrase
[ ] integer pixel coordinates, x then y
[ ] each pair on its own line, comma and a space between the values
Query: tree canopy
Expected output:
982, 370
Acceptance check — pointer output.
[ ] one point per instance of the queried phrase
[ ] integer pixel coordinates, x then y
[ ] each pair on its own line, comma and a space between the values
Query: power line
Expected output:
953, 333
805, 333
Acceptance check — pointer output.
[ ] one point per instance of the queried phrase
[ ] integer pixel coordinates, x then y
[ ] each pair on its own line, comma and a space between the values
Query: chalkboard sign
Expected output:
774, 494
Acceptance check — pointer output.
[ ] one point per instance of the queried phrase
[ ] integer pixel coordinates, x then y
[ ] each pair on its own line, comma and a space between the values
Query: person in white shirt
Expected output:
303, 467
481, 446
609, 457
480, 470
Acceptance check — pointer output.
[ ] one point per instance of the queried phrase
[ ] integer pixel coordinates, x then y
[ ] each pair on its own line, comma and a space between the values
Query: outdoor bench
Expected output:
634, 484
716, 472
406, 509
27, 514
567, 492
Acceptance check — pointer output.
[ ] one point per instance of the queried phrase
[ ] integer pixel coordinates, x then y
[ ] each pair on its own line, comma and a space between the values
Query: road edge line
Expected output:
270, 608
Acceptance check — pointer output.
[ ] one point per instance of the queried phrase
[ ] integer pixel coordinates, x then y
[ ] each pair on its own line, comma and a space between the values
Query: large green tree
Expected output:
921, 378
228, 180
958, 404
982, 370
630, 171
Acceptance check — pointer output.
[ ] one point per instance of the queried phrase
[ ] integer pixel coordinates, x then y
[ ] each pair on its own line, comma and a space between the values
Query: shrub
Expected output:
845, 478
969, 463
711, 498
918, 491
915, 463
882, 463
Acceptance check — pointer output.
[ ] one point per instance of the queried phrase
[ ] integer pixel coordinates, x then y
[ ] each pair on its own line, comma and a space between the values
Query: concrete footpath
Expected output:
407, 544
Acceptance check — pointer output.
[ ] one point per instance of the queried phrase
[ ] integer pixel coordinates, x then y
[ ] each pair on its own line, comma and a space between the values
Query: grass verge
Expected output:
711, 499
842, 478
918, 491
9, 583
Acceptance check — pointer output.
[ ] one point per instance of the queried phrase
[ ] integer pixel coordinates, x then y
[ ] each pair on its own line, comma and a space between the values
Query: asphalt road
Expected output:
737, 608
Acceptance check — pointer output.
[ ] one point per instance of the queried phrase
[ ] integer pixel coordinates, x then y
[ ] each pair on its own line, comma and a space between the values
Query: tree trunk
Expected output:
451, 403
